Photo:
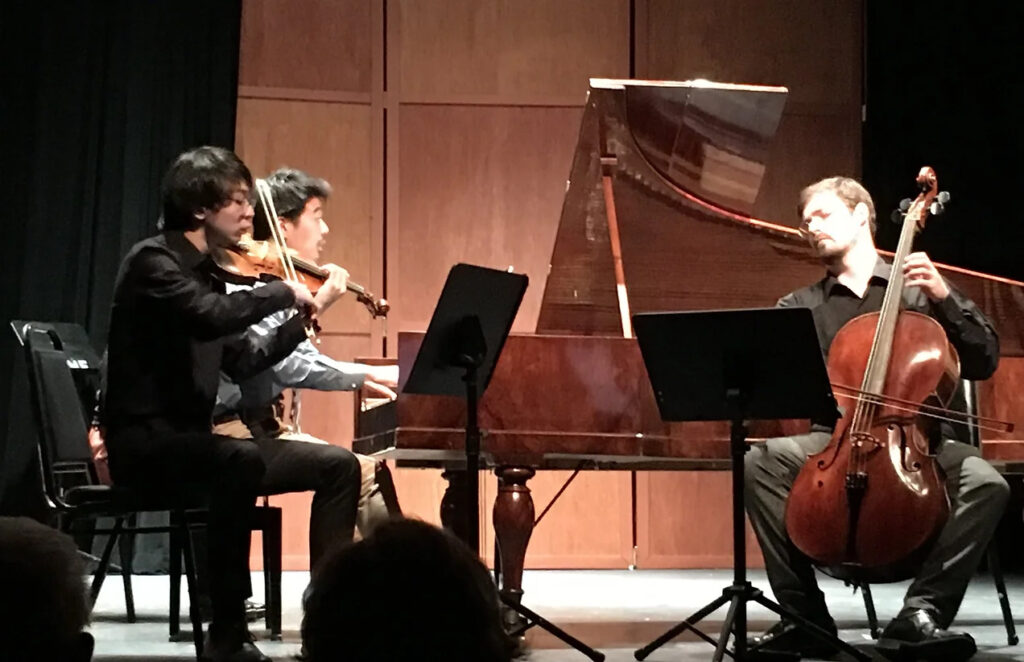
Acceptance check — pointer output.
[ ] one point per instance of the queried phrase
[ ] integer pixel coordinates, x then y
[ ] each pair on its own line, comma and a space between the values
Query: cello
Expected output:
869, 505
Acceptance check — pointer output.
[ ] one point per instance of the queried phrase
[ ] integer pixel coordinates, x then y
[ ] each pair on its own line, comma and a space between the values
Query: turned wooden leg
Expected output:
513, 525
452, 506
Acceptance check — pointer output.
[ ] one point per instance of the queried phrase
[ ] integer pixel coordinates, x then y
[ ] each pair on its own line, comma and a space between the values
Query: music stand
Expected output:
735, 365
469, 326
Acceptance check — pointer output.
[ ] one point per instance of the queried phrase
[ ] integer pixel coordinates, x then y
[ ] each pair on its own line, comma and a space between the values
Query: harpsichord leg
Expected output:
513, 525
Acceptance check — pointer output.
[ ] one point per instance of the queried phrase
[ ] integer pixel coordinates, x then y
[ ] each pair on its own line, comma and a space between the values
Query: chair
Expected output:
66, 460
267, 520
50, 389
997, 578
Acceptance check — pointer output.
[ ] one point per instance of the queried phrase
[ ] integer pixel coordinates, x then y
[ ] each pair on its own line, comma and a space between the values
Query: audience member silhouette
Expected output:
42, 595
409, 591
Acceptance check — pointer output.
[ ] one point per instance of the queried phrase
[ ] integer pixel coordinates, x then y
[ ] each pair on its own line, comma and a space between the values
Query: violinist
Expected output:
172, 331
838, 220
346, 488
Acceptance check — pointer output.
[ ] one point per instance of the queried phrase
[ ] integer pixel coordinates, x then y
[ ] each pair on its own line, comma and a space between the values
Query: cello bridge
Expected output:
862, 440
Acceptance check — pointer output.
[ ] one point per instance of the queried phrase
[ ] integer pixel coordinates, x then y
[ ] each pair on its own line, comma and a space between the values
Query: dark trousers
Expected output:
977, 493
331, 472
224, 473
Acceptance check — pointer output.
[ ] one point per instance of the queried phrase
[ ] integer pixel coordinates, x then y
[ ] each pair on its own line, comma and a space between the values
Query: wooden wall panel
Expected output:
591, 524
481, 185
685, 521
813, 48
329, 140
306, 44
516, 50
807, 148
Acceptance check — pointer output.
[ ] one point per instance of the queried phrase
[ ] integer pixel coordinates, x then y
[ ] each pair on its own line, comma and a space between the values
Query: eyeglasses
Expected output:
240, 198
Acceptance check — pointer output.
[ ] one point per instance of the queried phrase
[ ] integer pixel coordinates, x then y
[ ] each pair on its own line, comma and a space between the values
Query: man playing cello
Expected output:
838, 220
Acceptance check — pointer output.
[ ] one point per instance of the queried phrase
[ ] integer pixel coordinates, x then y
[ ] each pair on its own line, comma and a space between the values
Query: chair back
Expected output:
57, 412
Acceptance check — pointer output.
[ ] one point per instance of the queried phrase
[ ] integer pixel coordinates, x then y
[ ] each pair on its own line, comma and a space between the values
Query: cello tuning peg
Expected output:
939, 204
898, 214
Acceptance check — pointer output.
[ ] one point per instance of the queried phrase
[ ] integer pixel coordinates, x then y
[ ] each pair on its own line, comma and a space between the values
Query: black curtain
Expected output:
943, 88
943, 85
98, 98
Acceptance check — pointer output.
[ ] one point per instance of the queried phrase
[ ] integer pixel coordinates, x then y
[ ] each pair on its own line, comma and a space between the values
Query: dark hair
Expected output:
290, 190
201, 178
846, 189
416, 588
42, 605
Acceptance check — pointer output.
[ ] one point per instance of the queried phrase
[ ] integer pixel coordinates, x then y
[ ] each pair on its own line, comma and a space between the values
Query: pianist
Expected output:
838, 219
253, 409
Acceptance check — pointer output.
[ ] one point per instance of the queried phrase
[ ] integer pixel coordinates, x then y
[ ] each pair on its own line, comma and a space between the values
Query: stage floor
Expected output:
614, 611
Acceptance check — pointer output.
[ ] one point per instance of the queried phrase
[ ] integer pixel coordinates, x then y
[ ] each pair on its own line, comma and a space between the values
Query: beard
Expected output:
828, 248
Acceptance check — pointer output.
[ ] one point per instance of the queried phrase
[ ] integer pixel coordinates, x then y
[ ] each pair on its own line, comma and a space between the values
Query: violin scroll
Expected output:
377, 307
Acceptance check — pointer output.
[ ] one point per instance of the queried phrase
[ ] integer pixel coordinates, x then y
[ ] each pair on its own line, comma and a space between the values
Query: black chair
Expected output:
69, 482
267, 520
78, 470
997, 578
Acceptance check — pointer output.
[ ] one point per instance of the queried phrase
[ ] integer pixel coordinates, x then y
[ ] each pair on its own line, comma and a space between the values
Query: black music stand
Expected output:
469, 326
735, 365
467, 331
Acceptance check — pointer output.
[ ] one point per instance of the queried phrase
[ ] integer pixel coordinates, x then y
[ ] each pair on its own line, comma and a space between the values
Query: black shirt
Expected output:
833, 304
172, 330
971, 333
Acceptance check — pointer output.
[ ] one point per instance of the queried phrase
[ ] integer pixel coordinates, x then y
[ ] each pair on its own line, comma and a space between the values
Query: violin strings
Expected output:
267, 200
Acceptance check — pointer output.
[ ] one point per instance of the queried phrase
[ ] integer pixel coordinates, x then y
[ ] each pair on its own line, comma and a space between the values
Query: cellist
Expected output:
838, 220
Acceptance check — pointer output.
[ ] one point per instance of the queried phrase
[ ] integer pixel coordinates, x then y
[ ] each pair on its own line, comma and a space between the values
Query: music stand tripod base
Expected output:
732, 366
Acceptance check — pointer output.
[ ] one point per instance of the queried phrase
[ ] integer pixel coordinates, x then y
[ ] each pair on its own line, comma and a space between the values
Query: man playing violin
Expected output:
838, 220
346, 488
172, 331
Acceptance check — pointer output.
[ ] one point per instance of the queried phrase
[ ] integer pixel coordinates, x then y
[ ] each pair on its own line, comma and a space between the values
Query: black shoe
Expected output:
786, 639
916, 636
235, 647
254, 611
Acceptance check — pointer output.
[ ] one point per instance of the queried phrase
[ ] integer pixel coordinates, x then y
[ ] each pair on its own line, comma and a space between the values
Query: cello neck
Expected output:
881, 349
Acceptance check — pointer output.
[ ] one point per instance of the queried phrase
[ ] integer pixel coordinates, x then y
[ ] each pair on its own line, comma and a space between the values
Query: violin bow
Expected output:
270, 211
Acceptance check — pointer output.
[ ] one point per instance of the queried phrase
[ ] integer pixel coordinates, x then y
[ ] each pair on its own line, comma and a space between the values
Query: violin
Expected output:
870, 504
250, 259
